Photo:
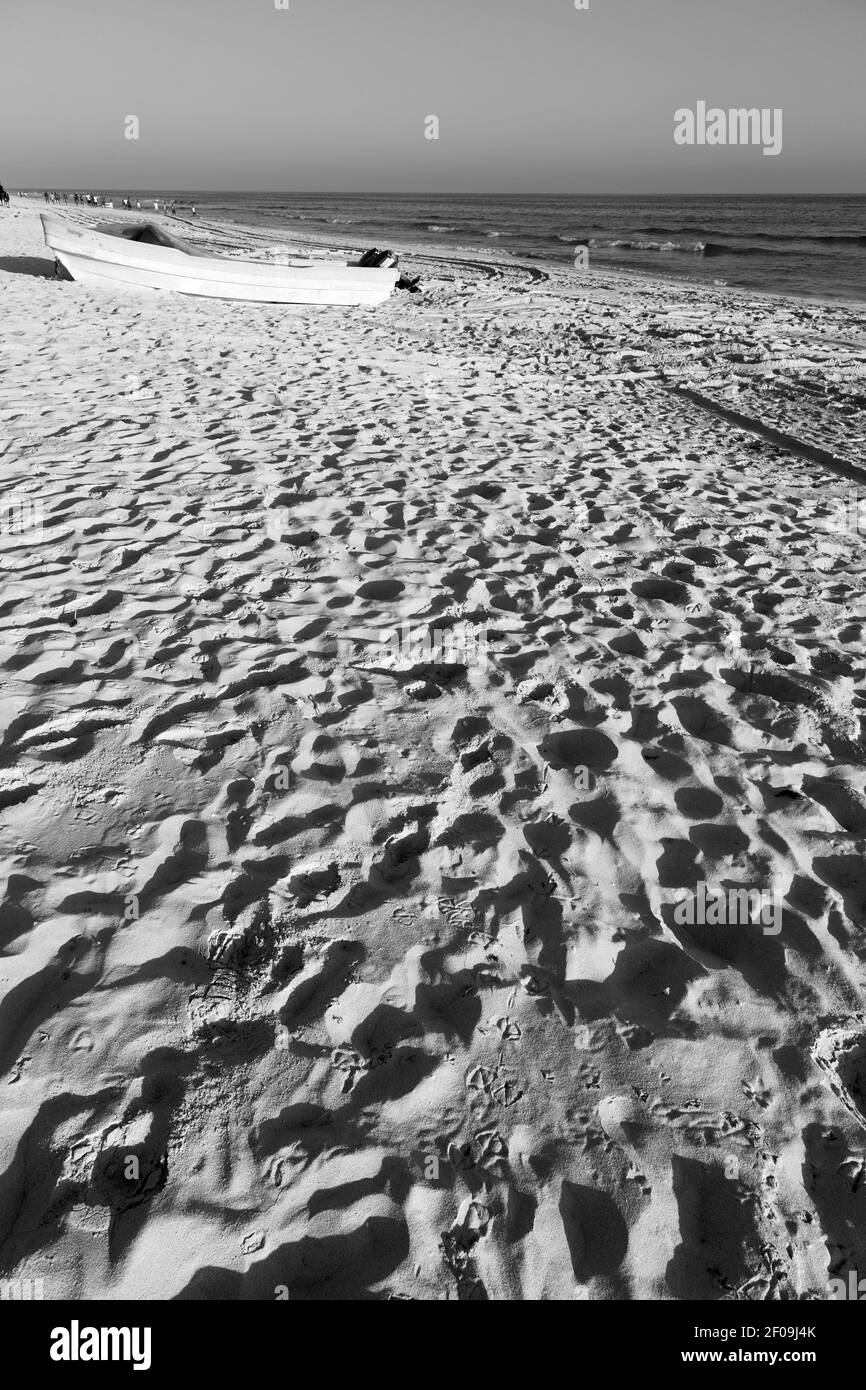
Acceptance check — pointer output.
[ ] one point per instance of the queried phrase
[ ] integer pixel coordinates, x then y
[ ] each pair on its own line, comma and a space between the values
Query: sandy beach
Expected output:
344, 961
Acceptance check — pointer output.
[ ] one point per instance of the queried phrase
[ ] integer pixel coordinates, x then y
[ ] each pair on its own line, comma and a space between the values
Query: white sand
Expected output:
230, 820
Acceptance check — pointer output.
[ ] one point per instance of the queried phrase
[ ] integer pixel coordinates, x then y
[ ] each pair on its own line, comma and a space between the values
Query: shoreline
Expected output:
436, 251
263, 234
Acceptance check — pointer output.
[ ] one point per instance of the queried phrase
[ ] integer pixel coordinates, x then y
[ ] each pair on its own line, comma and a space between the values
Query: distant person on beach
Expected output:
4, 197
193, 209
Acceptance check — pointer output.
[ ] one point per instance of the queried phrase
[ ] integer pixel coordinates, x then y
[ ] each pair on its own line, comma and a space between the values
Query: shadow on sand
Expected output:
27, 265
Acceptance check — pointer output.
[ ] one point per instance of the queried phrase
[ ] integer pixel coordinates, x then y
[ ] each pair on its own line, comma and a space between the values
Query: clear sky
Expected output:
532, 96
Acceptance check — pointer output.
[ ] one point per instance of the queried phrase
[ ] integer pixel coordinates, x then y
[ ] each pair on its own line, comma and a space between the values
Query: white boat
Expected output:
142, 256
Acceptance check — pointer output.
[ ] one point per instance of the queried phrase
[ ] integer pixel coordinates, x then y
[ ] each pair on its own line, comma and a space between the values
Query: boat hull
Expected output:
111, 262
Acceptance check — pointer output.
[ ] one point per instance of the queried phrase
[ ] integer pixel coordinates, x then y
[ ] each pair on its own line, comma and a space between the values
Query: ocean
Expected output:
811, 246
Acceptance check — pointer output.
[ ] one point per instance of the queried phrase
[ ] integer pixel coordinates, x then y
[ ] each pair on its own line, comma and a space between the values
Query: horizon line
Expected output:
386, 193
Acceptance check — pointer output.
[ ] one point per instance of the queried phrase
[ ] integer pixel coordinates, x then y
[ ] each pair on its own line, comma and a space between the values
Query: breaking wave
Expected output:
840, 238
